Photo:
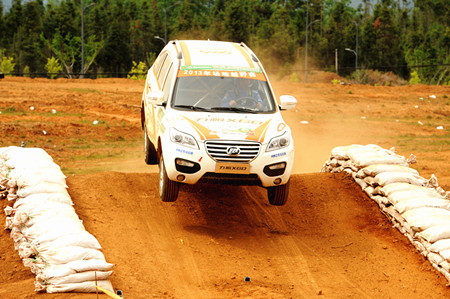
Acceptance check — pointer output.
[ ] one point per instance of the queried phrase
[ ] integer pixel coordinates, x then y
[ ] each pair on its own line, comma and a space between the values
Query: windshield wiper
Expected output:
195, 108
236, 109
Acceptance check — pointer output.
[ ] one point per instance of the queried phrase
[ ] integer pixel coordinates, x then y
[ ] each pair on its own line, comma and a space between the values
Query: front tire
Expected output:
168, 189
278, 195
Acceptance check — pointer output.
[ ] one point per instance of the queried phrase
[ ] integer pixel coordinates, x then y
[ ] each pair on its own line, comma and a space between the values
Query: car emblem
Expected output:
233, 151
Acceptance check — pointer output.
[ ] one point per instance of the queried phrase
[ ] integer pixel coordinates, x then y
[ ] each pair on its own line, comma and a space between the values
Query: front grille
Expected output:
217, 149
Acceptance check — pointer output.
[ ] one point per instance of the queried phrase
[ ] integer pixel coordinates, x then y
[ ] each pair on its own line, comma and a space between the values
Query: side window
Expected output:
157, 63
168, 82
162, 73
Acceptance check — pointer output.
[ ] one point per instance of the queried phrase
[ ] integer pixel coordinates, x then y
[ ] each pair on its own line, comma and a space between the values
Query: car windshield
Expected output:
222, 94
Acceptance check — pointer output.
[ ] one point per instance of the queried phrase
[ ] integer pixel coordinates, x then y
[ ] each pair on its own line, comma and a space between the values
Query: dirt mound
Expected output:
329, 239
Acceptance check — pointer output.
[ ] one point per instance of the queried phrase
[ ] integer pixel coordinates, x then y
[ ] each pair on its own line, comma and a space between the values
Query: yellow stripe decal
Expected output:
260, 132
201, 130
186, 55
248, 58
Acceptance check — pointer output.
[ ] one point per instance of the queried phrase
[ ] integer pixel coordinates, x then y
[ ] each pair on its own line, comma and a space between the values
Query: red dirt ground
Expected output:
329, 240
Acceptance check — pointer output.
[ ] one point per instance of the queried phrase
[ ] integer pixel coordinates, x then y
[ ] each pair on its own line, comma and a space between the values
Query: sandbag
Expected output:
400, 196
50, 271
78, 277
397, 187
376, 169
39, 197
436, 233
42, 187
440, 245
414, 203
386, 178
63, 255
81, 287
423, 218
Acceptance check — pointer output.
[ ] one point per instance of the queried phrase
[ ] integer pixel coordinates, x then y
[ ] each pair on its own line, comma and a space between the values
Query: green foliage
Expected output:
26, 71
138, 71
414, 80
294, 78
7, 65
386, 36
53, 67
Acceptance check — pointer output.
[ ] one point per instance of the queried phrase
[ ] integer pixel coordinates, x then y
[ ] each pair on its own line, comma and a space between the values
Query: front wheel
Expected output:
168, 189
278, 195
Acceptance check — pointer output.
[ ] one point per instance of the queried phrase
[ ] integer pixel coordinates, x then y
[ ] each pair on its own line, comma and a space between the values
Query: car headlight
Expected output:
183, 138
279, 142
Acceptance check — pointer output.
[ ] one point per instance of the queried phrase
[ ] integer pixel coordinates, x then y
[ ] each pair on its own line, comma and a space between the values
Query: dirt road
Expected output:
329, 240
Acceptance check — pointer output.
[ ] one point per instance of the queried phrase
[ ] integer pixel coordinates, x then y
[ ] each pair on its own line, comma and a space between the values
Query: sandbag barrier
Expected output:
417, 207
47, 233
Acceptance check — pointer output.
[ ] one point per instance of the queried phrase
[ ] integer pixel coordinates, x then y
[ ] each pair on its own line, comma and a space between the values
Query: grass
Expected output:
84, 90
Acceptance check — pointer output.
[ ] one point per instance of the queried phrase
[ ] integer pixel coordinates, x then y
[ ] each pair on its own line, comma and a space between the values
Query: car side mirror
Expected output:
287, 102
155, 98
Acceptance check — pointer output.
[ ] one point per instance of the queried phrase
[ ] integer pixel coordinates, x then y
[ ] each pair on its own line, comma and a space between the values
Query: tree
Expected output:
234, 21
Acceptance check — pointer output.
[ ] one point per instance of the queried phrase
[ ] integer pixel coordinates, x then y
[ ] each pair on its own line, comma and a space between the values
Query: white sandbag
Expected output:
376, 169
50, 271
341, 152
369, 180
78, 277
369, 190
423, 218
440, 245
435, 258
42, 187
81, 239
368, 156
386, 178
445, 254
13, 152
414, 203
397, 187
436, 233
400, 196
29, 176
445, 265
39, 197
53, 228
30, 214
81, 287
361, 183
67, 254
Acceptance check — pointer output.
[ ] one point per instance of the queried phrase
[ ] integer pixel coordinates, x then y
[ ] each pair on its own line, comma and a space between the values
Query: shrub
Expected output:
414, 80
26, 71
138, 71
7, 65
294, 78
53, 67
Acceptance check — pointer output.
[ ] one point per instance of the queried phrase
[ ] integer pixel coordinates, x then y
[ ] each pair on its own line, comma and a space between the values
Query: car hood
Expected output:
230, 126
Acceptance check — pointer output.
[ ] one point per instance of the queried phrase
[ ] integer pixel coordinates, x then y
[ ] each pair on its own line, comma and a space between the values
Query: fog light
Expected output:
281, 165
277, 181
180, 177
182, 162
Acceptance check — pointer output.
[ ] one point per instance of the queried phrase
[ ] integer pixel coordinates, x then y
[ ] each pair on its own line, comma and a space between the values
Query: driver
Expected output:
241, 95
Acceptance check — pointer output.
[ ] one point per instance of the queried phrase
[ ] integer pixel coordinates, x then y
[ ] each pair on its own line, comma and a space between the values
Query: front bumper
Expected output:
189, 166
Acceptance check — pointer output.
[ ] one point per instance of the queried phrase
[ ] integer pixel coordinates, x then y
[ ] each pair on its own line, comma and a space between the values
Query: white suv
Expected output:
209, 114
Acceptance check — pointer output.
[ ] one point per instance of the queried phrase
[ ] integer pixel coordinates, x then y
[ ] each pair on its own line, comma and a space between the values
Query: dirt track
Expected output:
329, 240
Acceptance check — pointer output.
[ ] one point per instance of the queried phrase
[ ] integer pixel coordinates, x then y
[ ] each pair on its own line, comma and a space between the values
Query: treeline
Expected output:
390, 35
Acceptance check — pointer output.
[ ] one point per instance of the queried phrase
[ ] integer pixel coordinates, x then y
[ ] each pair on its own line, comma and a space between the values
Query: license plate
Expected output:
237, 168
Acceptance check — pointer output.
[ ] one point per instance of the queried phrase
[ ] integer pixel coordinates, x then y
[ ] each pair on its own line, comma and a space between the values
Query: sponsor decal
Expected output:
218, 73
183, 151
281, 126
278, 155
200, 160
229, 120
220, 68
